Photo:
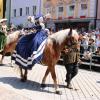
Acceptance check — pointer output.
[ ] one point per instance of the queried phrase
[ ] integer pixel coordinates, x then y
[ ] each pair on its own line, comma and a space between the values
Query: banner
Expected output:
1, 8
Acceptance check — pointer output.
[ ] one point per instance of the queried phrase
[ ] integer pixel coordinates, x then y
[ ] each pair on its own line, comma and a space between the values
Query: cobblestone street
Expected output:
87, 83
62, 34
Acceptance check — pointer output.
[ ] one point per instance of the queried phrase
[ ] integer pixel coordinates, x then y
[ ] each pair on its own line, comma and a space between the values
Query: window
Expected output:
20, 11
60, 9
83, 6
14, 12
34, 10
83, 0
71, 7
27, 10
73, 1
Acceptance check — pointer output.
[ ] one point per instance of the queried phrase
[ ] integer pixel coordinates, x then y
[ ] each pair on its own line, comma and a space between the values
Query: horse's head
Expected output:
67, 37
72, 39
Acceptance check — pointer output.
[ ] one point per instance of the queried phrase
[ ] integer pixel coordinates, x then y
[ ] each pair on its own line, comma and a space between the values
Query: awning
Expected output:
73, 20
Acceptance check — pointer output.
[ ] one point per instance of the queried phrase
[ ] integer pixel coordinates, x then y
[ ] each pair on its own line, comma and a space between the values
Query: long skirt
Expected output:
29, 49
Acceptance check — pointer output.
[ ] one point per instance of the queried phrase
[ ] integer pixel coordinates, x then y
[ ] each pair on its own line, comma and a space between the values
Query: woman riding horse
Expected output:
3, 33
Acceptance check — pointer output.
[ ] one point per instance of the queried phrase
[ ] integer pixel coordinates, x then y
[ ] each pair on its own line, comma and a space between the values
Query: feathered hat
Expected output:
3, 20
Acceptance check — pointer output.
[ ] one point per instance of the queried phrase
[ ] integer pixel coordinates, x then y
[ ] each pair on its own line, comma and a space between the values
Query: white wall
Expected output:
92, 8
17, 4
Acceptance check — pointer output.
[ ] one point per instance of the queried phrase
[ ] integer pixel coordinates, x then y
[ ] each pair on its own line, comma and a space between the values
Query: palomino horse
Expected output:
10, 45
55, 44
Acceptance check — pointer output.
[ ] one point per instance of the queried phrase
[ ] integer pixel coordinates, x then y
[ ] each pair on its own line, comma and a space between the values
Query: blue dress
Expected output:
29, 49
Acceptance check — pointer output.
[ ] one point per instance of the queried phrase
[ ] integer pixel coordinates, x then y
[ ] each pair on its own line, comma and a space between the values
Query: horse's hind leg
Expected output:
44, 78
23, 76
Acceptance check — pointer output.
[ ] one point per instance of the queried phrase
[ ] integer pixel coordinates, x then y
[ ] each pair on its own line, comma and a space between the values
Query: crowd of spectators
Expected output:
90, 44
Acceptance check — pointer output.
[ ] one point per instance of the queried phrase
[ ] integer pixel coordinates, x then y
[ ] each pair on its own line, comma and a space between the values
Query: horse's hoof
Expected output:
12, 66
43, 85
59, 92
76, 89
23, 80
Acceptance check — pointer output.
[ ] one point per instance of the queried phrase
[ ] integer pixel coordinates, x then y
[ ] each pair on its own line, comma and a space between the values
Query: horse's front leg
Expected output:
44, 78
53, 74
11, 63
23, 76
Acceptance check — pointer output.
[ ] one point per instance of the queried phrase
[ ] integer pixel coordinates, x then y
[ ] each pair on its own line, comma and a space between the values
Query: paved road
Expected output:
87, 82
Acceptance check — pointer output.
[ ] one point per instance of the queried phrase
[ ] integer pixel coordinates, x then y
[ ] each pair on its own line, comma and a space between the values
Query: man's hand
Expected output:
66, 50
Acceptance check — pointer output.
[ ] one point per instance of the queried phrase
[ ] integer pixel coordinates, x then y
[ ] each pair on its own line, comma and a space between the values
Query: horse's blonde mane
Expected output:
60, 36
12, 37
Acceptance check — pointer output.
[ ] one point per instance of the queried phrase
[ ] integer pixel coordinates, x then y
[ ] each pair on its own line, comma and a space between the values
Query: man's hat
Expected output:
3, 20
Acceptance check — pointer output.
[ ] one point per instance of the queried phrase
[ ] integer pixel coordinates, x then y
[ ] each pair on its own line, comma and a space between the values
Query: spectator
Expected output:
92, 35
12, 27
84, 43
97, 32
92, 45
98, 41
91, 49
49, 23
30, 22
98, 51
96, 56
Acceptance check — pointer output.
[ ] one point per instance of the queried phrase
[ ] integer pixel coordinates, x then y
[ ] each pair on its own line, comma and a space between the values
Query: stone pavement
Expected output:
6, 94
87, 83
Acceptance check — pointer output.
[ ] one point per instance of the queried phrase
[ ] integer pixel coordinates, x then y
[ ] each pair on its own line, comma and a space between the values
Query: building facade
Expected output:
98, 14
56, 8
18, 10
72, 13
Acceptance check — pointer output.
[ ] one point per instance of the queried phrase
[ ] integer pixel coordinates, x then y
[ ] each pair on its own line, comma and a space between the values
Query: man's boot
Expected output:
69, 86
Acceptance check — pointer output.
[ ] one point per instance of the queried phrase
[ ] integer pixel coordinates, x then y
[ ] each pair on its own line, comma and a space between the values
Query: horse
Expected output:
10, 44
51, 54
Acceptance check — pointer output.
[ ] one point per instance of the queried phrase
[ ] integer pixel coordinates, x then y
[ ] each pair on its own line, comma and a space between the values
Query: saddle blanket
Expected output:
29, 49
